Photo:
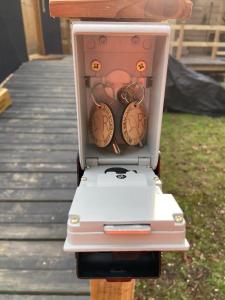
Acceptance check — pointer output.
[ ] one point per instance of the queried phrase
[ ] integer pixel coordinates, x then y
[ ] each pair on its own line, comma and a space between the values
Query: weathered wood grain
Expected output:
44, 130
38, 180
42, 297
24, 194
37, 167
67, 111
48, 147
49, 106
34, 213
38, 147
35, 255
32, 231
42, 282
38, 124
102, 289
63, 115
55, 139
120, 9
63, 101
38, 156
55, 93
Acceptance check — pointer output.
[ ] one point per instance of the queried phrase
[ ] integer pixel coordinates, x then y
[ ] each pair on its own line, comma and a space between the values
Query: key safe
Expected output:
120, 220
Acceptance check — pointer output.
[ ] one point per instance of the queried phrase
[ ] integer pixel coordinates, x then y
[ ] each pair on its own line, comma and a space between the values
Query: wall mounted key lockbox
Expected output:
120, 220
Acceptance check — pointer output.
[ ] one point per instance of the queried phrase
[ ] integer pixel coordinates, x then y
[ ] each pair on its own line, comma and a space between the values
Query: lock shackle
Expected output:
93, 97
124, 97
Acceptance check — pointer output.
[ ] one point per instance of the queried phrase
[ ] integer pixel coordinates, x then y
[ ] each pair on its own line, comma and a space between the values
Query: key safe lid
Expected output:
109, 56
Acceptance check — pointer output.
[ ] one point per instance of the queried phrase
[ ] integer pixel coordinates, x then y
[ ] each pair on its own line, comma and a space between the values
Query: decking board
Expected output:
42, 282
35, 167
38, 145
26, 195
32, 231
41, 297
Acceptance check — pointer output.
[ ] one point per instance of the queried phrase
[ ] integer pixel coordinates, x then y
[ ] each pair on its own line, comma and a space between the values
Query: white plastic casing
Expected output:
110, 213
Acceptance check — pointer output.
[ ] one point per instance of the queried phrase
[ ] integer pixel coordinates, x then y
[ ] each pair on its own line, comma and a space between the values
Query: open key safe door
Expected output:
120, 220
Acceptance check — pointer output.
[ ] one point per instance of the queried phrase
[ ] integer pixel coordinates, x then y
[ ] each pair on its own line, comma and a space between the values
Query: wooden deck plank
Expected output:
27, 138
38, 148
32, 231
37, 212
68, 76
35, 147
37, 167
48, 106
20, 82
44, 100
55, 93
15, 111
204, 64
38, 156
44, 130
42, 297
38, 181
56, 124
45, 85
36, 194
35, 255
41, 115
42, 282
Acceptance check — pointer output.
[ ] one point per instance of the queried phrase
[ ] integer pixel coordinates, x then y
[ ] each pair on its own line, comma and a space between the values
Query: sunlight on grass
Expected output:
193, 170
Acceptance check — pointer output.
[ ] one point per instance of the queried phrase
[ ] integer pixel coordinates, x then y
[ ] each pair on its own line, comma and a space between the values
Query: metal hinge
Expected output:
144, 161
91, 161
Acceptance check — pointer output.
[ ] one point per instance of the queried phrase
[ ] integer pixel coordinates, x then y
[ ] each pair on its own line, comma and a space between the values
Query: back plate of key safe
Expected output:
96, 265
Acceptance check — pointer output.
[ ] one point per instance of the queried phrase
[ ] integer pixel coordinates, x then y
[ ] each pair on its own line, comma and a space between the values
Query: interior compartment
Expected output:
118, 47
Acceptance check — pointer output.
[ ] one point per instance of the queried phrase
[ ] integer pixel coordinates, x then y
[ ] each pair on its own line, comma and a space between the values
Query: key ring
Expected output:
124, 94
93, 89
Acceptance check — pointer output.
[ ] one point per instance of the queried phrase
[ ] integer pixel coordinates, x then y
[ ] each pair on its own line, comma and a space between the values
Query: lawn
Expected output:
193, 170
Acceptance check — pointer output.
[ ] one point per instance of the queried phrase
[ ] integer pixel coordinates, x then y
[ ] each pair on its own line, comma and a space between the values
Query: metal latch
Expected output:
127, 229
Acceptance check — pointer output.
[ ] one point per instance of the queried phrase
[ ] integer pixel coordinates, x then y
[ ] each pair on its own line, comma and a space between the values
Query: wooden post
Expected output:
41, 45
104, 290
180, 42
172, 35
217, 35
65, 35
215, 47
31, 12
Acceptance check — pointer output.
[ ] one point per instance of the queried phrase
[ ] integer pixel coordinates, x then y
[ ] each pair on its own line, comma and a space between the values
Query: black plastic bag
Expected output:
191, 92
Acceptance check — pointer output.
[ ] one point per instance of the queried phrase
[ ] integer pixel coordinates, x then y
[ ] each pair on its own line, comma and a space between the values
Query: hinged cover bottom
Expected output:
106, 200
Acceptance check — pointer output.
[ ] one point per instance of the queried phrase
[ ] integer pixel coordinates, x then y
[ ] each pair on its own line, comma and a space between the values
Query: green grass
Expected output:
193, 170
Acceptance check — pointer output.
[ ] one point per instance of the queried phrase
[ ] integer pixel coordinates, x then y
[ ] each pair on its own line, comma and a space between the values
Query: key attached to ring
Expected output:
134, 120
102, 124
